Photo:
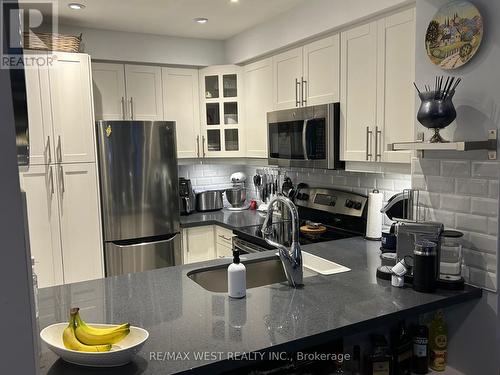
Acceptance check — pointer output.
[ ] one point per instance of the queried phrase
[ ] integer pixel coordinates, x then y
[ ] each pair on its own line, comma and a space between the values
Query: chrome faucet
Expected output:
290, 258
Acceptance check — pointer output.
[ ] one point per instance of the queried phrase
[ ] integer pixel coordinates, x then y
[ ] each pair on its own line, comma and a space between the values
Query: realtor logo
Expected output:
21, 21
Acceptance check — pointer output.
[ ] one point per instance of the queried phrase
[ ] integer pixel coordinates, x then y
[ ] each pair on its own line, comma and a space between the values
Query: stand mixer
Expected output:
237, 194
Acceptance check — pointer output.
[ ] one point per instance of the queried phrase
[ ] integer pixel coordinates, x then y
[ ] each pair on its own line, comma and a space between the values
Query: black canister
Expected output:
425, 266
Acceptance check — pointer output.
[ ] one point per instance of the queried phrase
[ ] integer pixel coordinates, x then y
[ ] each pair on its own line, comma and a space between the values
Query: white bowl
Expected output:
120, 354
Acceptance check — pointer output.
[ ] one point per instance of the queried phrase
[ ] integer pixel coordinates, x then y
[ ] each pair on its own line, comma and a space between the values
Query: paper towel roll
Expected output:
374, 222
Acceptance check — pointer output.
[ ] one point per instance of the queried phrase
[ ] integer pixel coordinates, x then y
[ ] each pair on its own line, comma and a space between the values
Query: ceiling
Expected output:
174, 17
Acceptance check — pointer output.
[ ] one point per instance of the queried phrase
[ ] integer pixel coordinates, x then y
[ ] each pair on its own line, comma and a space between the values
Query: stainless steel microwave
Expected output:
307, 137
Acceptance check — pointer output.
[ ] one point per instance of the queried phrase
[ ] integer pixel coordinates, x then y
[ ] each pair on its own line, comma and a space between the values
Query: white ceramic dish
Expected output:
120, 354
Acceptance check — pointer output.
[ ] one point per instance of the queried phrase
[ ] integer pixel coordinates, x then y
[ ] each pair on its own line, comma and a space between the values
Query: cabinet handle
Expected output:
303, 89
123, 108
61, 175
49, 150
203, 145
224, 237
51, 173
198, 145
368, 137
131, 108
59, 149
297, 101
378, 150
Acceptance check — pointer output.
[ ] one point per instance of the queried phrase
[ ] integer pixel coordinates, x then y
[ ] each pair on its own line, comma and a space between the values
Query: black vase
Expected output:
436, 113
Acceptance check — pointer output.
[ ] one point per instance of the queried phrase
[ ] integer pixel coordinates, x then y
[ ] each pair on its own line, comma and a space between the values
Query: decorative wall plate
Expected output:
454, 34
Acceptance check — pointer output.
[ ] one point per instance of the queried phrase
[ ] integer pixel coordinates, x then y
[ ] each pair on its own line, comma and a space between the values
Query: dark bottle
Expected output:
380, 361
401, 345
420, 360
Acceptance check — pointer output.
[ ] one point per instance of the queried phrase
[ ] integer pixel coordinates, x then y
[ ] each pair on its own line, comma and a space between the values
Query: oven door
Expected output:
245, 247
303, 137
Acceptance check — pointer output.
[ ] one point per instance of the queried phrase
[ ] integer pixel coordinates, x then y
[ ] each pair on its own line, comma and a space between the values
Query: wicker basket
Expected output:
52, 42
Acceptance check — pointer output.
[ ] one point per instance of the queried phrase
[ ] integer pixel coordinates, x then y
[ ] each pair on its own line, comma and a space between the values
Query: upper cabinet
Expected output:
377, 97
307, 75
144, 94
222, 111
127, 92
181, 104
258, 78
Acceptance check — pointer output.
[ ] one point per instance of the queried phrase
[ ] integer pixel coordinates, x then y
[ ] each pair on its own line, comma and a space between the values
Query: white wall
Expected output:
148, 48
305, 21
474, 327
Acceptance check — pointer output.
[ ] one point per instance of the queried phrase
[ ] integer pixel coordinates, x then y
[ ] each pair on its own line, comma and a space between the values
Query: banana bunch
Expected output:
82, 337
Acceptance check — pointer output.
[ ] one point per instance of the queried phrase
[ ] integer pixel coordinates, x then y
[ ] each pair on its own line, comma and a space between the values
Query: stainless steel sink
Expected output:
260, 272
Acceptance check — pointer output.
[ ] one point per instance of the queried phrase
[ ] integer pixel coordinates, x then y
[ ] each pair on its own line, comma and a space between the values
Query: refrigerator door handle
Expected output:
117, 243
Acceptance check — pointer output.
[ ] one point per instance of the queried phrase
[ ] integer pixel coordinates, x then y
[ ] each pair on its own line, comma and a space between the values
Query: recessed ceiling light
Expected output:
201, 20
234, 1
76, 6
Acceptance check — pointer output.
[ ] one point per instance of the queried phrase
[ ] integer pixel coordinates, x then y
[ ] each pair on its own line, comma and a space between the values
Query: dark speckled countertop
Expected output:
181, 316
225, 218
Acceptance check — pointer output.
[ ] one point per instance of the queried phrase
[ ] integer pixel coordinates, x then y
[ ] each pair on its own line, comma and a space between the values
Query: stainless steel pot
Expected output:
236, 196
210, 200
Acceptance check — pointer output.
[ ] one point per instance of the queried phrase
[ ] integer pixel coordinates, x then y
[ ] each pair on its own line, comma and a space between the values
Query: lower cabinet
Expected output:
63, 222
209, 242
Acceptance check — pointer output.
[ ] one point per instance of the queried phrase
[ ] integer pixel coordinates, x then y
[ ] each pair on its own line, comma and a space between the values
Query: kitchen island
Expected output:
192, 329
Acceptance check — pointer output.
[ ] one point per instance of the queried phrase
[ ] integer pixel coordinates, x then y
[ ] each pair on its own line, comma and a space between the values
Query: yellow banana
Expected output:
71, 342
97, 336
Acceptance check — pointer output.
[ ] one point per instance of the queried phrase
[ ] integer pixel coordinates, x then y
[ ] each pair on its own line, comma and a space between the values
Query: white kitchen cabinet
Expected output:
377, 98
222, 111
223, 242
80, 222
41, 135
38, 181
258, 77
198, 244
396, 61
307, 75
181, 104
144, 93
109, 91
287, 79
321, 83
358, 94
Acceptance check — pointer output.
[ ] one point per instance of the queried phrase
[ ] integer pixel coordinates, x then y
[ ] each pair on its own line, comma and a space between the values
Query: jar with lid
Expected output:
451, 255
425, 272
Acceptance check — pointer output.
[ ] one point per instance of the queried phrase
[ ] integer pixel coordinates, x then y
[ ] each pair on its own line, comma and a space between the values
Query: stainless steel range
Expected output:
325, 214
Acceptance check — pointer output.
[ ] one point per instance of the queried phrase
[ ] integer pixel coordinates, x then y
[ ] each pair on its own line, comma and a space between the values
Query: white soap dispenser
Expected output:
236, 277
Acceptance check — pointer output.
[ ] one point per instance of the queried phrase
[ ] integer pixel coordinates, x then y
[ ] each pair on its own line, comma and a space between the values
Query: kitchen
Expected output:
236, 77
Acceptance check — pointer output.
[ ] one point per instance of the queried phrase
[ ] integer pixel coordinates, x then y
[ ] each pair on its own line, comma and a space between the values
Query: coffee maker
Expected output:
186, 196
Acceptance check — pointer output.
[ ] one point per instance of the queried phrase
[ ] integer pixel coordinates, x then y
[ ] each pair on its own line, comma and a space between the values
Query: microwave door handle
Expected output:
304, 139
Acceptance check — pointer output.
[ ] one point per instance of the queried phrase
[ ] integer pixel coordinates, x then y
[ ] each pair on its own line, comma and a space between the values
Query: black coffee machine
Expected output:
186, 196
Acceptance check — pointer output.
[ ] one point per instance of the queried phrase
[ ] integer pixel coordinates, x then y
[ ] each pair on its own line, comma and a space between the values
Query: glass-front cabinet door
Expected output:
221, 111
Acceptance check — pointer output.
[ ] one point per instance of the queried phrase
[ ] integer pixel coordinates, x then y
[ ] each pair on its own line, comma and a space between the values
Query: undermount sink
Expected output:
261, 272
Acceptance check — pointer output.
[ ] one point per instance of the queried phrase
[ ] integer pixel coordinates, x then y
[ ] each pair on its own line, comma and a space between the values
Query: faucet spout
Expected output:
290, 258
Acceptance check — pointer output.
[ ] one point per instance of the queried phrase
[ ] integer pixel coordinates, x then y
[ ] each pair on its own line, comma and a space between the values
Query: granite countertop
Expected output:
225, 218
181, 316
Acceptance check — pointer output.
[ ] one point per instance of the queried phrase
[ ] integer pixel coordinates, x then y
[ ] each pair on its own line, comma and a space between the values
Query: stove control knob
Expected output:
349, 203
299, 196
305, 196
357, 205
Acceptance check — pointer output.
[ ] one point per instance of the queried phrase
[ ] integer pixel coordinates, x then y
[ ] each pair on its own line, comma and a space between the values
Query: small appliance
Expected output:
209, 200
237, 194
187, 198
307, 137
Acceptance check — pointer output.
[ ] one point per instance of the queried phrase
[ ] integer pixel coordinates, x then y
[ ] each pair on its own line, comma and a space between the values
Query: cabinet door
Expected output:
109, 91
181, 104
396, 108
358, 93
321, 82
199, 244
258, 78
41, 135
38, 181
72, 110
80, 222
287, 68
143, 86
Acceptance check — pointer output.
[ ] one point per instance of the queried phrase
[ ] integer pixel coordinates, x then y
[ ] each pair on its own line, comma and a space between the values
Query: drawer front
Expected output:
224, 236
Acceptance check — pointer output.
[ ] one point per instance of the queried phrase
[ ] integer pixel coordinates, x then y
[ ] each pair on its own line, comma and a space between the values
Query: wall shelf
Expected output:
490, 145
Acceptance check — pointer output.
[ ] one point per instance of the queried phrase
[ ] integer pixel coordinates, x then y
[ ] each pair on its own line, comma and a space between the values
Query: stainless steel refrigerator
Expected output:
139, 195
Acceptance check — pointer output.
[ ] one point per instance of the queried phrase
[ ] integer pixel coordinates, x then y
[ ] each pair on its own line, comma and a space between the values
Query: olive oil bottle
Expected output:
438, 342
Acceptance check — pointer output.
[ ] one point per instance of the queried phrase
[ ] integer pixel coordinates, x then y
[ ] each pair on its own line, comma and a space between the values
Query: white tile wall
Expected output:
209, 176
463, 194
